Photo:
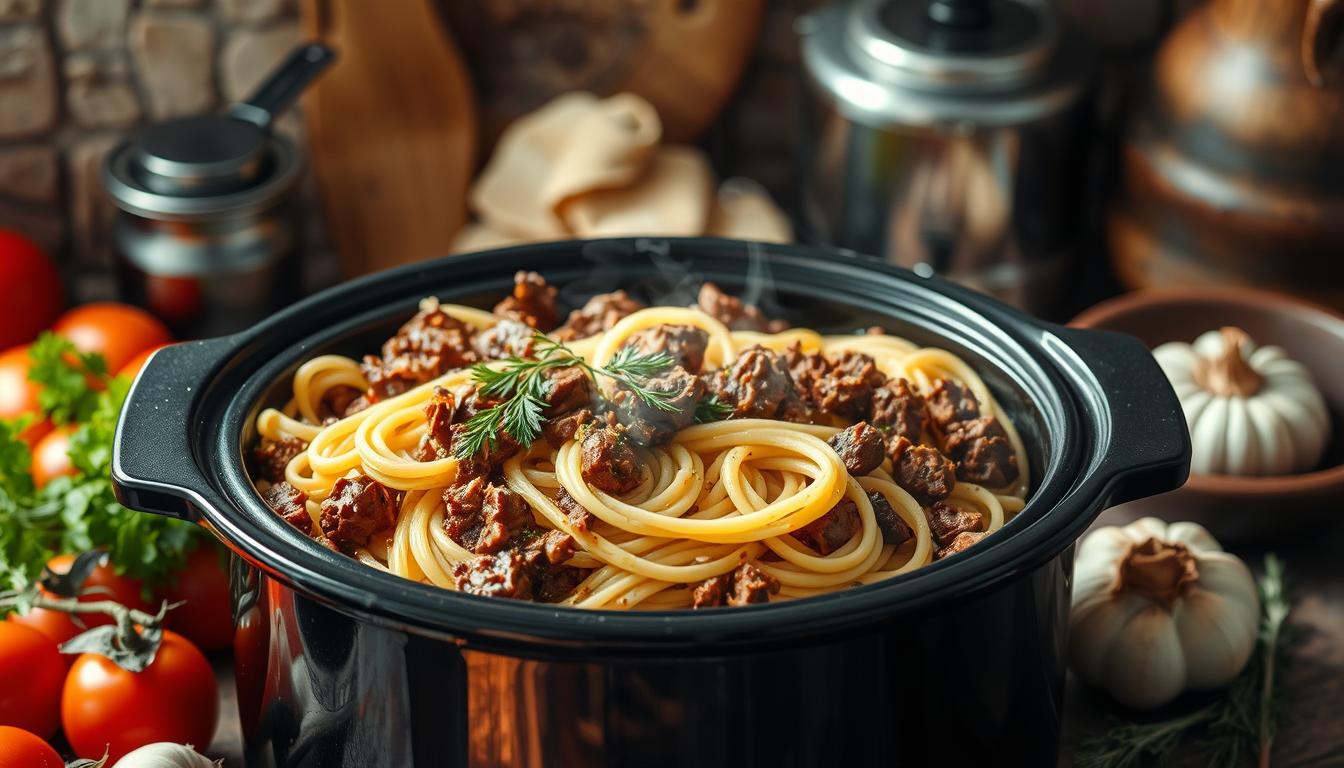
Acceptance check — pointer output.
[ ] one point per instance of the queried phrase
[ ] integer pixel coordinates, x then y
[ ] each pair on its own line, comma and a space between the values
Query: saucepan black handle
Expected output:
154, 467
1143, 445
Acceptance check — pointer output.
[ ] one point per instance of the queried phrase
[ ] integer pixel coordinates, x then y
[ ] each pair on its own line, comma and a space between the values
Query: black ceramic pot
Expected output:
341, 665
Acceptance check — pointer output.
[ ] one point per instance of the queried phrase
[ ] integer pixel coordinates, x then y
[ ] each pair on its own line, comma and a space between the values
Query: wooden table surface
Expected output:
1311, 728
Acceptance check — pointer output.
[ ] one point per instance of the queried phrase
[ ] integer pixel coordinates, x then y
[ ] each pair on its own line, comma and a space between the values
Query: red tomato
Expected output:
18, 395
32, 670
30, 289
55, 625
174, 699
132, 368
118, 332
21, 749
122, 589
205, 617
51, 456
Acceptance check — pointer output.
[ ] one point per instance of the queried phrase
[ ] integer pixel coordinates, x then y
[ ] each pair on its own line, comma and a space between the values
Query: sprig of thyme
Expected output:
520, 383
1238, 724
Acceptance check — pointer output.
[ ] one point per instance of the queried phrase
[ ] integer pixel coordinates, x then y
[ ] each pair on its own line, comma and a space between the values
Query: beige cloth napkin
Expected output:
587, 167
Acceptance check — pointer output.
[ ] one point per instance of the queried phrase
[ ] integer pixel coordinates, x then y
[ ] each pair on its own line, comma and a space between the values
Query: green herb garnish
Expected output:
521, 385
1240, 723
712, 409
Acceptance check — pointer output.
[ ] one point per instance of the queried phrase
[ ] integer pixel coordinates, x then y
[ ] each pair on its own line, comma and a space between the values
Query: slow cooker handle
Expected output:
153, 464
1144, 445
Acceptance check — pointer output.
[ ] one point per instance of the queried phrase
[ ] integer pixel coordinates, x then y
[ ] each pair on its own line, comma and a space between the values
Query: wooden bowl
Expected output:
1243, 508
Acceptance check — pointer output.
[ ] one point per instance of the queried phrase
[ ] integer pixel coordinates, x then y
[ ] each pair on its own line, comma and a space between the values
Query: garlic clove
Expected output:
1270, 431
1243, 453
1095, 628
1143, 529
1193, 535
1210, 433
1214, 639
1152, 670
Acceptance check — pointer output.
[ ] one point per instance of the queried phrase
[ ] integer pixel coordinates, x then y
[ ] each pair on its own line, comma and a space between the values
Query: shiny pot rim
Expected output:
1117, 430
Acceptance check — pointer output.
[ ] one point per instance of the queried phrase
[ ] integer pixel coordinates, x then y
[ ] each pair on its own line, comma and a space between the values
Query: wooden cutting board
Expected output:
391, 131
684, 56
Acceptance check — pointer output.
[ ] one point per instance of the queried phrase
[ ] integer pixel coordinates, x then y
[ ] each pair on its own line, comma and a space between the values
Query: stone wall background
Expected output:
76, 75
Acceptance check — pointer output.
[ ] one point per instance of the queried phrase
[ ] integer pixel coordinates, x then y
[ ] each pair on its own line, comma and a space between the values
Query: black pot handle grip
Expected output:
1145, 445
154, 467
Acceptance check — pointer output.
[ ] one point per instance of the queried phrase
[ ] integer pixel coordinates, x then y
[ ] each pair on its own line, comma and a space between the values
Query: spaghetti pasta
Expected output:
714, 496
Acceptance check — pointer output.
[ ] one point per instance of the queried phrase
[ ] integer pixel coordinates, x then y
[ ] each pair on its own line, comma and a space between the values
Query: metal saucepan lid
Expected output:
208, 163
932, 61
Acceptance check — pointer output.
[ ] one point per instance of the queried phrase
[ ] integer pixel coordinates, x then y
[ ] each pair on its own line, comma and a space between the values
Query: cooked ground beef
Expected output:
484, 517
649, 425
921, 470
898, 410
961, 543
947, 520
270, 458
744, 585
895, 531
508, 338
336, 401
759, 386
860, 447
357, 508
578, 515
845, 389
830, 531
601, 313
532, 570
429, 344
532, 301
977, 443
501, 575
609, 462
288, 502
437, 442
686, 344
733, 312
567, 389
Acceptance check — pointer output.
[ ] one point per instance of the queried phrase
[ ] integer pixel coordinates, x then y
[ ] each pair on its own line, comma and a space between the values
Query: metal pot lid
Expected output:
930, 62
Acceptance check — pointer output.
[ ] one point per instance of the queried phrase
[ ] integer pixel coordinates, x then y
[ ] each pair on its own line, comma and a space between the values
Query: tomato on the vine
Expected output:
18, 395
202, 586
174, 699
118, 332
51, 456
56, 625
105, 584
21, 749
32, 670
30, 289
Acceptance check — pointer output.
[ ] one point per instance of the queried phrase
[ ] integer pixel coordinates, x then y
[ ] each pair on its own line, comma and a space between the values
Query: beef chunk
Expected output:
490, 457
895, 531
532, 301
270, 458
357, 508
759, 386
649, 425
501, 575
686, 344
533, 570
601, 313
846, 389
336, 402
578, 515
961, 543
950, 401
860, 447
561, 429
567, 389
289, 503
921, 470
437, 442
744, 585
898, 410
830, 531
428, 345
982, 450
609, 463
947, 521
732, 312
484, 517
508, 338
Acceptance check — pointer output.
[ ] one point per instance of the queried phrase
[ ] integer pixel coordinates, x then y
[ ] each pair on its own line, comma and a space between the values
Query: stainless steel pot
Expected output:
946, 136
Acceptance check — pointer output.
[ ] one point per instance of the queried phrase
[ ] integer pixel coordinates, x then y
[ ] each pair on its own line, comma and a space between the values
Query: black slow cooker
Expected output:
339, 664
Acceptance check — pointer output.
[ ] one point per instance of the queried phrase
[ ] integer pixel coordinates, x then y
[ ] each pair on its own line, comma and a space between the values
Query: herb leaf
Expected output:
712, 409
67, 377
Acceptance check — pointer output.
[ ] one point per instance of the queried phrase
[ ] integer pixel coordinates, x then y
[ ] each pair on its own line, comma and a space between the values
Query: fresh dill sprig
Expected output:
1238, 724
712, 409
520, 384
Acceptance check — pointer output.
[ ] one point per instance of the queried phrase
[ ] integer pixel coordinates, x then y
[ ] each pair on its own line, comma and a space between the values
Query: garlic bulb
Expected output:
1251, 411
1159, 609
166, 754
